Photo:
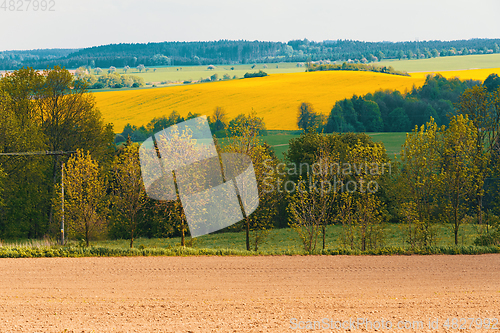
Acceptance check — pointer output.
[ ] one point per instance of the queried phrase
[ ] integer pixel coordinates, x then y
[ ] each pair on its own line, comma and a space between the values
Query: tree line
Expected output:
393, 111
220, 125
242, 52
446, 174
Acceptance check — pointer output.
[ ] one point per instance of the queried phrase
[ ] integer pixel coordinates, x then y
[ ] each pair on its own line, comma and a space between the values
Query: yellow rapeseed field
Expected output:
276, 98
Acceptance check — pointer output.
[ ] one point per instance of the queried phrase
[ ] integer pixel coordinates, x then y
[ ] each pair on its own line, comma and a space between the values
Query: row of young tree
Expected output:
392, 111
233, 52
220, 125
111, 201
445, 174
107, 80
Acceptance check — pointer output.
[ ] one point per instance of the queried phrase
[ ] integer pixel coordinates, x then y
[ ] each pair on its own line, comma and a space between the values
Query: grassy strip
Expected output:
45, 252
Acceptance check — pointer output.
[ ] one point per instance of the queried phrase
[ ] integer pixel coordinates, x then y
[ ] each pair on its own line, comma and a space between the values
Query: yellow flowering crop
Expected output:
276, 97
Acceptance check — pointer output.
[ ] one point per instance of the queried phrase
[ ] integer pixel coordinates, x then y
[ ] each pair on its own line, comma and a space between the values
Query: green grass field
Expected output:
391, 141
444, 63
278, 240
288, 240
195, 73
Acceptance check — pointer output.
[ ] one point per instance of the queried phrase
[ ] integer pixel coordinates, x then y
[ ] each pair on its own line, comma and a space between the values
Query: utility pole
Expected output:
31, 153
62, 204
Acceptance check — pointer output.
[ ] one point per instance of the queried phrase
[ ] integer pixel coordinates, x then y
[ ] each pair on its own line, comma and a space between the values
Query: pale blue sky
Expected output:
84, 23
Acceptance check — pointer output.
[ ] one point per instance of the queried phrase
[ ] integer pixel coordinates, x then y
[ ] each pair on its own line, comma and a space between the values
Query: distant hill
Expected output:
242, 52
16, 59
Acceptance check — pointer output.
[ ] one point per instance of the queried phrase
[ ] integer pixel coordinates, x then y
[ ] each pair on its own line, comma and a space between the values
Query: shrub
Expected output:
260, 73
135, 85
354, 67
488, 239
97, 85
119, 138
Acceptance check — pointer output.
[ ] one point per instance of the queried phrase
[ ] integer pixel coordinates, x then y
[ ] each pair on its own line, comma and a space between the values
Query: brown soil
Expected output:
242, 294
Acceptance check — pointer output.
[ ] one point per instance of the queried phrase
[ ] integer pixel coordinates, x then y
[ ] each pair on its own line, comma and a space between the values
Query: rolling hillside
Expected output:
275, 98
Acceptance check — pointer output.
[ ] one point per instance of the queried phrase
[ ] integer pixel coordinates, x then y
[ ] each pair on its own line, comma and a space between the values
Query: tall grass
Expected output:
280, 242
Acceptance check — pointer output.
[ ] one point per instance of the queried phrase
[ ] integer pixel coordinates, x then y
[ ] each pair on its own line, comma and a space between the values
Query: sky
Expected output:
86, 23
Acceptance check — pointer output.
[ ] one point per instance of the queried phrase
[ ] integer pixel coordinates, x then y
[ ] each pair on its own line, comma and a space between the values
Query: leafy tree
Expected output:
129, 196
371, 117
460, 168
480, 107
380, 55
367, 206
421, 163
492, 82
158, 124
85, 197
245, 140
218, 120
140, 68
336, 121
311, 206
399, 121
126, 68
241, 125
25, 188
307, 118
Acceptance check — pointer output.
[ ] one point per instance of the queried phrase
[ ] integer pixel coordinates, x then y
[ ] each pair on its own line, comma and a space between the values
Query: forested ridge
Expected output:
241, 52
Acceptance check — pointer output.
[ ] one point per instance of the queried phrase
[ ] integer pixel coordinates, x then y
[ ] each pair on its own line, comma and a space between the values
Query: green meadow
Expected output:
476, 61
195, 73
391, 141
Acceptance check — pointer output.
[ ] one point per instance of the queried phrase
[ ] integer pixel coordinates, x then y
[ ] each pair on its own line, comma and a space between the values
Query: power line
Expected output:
43, 152
54, 153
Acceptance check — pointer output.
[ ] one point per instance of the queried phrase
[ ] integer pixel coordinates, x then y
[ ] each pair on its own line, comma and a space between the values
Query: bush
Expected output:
355, 67
118, 85
119, 138
91, 251
97, 85
488, 239
135, 85
260, 73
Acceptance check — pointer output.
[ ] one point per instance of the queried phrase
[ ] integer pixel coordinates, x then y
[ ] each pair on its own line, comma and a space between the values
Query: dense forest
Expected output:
241, 52
393, 111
